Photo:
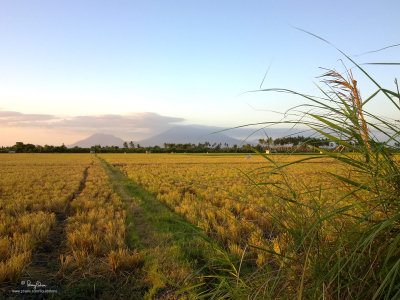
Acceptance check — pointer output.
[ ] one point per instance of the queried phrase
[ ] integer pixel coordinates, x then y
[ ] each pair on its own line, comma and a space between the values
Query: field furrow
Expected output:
35, 192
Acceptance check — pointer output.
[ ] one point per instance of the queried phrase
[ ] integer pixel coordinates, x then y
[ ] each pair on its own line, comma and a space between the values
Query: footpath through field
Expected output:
176, 253
45, 259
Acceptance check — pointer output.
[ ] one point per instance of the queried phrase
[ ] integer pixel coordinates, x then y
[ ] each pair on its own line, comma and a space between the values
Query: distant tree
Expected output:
61, 149
96, 148
247, 148
19, 147
269, 141
125, 145
48, 148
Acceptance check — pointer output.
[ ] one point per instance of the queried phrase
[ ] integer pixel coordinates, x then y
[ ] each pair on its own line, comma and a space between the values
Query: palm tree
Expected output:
269, 141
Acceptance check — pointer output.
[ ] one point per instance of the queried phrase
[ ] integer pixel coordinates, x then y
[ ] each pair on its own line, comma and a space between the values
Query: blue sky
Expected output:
189, 60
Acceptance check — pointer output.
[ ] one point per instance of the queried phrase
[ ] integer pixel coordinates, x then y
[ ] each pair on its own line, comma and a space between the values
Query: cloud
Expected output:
127, 125
13, 118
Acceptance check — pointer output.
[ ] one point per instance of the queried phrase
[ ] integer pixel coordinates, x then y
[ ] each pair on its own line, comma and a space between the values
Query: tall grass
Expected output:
364, 260
348, 246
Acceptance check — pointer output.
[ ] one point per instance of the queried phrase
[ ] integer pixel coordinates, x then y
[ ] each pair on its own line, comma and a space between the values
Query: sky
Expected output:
135, 68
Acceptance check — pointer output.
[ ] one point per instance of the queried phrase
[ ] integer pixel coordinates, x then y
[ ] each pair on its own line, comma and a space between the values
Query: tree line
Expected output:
295, 141
20, 147
299, 145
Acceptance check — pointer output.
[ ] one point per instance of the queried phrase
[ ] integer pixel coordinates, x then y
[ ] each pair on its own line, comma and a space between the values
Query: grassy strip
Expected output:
175, 252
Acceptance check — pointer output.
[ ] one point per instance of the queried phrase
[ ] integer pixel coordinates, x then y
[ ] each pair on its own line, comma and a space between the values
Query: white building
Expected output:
332, 145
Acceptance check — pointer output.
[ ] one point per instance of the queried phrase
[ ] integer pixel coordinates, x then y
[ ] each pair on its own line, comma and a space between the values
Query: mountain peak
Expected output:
99, 139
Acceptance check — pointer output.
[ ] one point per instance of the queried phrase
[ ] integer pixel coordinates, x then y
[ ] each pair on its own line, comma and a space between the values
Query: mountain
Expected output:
99, 139
251, 135
192, 134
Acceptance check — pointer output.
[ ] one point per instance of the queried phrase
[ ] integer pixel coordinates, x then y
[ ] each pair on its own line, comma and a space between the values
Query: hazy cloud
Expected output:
131, 124
13, 118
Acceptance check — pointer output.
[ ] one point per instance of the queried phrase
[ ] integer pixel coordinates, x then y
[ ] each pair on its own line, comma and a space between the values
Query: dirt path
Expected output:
45, 262
48, 252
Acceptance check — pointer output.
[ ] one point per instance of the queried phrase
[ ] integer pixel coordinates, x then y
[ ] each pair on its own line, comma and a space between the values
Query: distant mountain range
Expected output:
184, 134
190, 134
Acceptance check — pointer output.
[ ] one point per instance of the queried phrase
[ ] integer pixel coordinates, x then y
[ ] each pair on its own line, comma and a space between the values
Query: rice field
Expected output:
227, 196
59, 210
168, 225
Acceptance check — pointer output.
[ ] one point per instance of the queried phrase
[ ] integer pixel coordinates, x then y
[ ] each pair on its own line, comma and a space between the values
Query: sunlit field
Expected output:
231, 197
34, 189
109, 218
59, 217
